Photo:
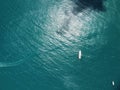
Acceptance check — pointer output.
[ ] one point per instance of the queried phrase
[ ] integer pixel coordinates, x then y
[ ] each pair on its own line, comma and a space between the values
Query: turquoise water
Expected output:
40, 40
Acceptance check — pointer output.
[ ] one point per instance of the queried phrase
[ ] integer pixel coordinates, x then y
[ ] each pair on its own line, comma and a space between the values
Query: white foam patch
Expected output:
64, 21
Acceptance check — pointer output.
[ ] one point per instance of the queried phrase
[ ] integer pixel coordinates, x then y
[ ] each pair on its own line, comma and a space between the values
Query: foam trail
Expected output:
16, 63
11, 64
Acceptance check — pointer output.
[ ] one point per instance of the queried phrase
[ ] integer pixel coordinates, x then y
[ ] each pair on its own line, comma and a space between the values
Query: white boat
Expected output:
113, 83
79, 54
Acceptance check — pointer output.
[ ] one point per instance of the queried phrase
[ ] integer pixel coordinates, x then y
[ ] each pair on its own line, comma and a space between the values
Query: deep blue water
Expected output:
40, 40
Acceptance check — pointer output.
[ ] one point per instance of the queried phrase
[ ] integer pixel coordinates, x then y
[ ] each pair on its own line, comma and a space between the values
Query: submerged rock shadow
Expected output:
80, 5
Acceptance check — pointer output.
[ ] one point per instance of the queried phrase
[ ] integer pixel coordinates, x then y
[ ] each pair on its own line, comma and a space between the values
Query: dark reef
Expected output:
81, 5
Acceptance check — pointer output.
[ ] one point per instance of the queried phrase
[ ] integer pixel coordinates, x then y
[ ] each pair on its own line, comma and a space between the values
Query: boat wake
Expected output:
11, 64
15, 63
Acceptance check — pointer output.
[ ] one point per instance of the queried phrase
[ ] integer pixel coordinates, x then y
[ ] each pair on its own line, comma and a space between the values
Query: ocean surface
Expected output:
40, 41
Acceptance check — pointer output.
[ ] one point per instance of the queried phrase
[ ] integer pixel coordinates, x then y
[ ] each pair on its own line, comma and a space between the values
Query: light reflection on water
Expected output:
61, 31
53, 39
